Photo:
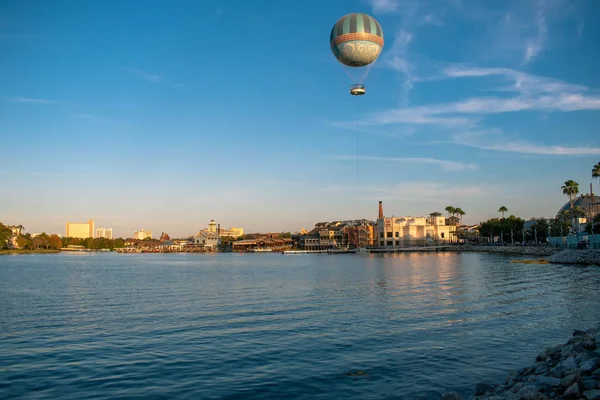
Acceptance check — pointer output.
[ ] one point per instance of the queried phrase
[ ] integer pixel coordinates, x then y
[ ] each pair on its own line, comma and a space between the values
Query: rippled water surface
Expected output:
248, 326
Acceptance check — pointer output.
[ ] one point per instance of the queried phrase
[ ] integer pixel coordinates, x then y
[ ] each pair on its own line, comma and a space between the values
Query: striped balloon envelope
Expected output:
356, 40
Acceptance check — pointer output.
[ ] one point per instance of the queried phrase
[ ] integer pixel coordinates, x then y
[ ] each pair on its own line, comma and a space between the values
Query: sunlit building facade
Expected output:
81, 230
142, 234
104, 233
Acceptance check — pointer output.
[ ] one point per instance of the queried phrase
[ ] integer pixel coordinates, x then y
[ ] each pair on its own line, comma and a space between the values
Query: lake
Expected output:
254, 326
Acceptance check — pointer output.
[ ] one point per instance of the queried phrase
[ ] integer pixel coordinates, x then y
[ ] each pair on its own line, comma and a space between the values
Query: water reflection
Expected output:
271, 325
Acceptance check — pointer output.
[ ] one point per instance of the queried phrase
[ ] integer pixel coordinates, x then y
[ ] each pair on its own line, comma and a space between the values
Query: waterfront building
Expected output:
104, 233
337, 234
234, 232
394, 232
206, 239
142, 234
80, 230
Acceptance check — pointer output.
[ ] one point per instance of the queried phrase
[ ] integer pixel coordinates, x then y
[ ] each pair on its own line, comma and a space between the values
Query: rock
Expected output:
592, 395
572, 392
559, 371
577, 332
590, 344
451, 396
483, 388
529, 393
569, 363
587, 367
589, 384
548, 380
570, 379
518, 386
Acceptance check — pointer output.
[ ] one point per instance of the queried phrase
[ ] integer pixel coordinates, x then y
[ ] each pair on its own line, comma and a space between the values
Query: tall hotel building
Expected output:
104, 233
81, 230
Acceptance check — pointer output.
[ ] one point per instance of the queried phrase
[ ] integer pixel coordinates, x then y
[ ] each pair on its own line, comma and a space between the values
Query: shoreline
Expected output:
20, 251
566, 371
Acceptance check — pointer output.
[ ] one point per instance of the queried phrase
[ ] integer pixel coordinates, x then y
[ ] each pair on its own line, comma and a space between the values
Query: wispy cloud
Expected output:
445, 164
32, 100
420, 191
86, 116
495, 140
535, 44
383, 6
217, 14
396, 58
150, 77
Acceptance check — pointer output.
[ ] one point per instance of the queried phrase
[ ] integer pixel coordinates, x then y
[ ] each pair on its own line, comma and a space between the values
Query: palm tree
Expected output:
502, 210
460, 212
571, 189
596, 172
450, 210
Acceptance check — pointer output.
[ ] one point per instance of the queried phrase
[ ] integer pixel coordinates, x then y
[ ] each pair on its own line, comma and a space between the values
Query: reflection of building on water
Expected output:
411, 231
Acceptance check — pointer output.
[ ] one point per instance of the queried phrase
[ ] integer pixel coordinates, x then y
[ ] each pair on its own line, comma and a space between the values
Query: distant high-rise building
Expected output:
104, 233
81, 230
142, 234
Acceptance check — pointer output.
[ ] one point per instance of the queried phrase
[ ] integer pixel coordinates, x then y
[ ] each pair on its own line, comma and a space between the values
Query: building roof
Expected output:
589, 204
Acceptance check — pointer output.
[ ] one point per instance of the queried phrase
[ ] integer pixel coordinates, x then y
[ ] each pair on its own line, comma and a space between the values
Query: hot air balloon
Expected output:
356, 41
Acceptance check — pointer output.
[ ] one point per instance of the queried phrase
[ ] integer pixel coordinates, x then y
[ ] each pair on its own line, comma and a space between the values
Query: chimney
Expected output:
380, 210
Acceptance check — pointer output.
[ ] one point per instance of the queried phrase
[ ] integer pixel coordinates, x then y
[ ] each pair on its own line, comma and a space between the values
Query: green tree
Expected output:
54, 242
450, 210
502, 210
5, 234
459, 211
571, 189
596, 171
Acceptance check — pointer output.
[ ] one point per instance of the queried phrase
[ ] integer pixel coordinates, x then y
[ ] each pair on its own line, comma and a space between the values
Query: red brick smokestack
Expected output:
380, 210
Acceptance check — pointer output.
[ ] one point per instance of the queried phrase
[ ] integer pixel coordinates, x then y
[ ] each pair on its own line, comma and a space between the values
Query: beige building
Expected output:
232, 231
409, 231
142, 234
104, 233
81, 230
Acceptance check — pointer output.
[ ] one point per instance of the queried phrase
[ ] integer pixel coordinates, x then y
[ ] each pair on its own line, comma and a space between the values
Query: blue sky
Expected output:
163, 115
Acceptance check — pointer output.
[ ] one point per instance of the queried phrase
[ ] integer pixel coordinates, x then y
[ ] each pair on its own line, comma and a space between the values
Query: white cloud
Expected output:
32, 100
445, 164
384, 6
535, 45
146, 75
497, 141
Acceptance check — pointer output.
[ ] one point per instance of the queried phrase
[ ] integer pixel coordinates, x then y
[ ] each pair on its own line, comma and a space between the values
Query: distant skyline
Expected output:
164, 115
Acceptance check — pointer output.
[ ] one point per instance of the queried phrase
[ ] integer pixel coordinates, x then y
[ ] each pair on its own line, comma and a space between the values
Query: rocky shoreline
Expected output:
552, 255
568, 371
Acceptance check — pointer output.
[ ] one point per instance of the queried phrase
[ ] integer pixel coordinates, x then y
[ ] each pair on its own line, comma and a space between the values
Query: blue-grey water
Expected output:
258, 326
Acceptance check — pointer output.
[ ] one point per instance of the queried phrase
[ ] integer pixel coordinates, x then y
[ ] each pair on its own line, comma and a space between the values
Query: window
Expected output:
397, 243
442, 235
381, 235
389, 234
397, 234
390, 243
381, 243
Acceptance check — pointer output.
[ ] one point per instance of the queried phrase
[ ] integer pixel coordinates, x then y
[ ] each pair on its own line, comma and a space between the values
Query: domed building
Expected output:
590, 204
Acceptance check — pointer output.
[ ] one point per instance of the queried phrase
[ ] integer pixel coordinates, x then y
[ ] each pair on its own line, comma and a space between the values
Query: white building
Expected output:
412, 231
206, 239
142, 234
104, 233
